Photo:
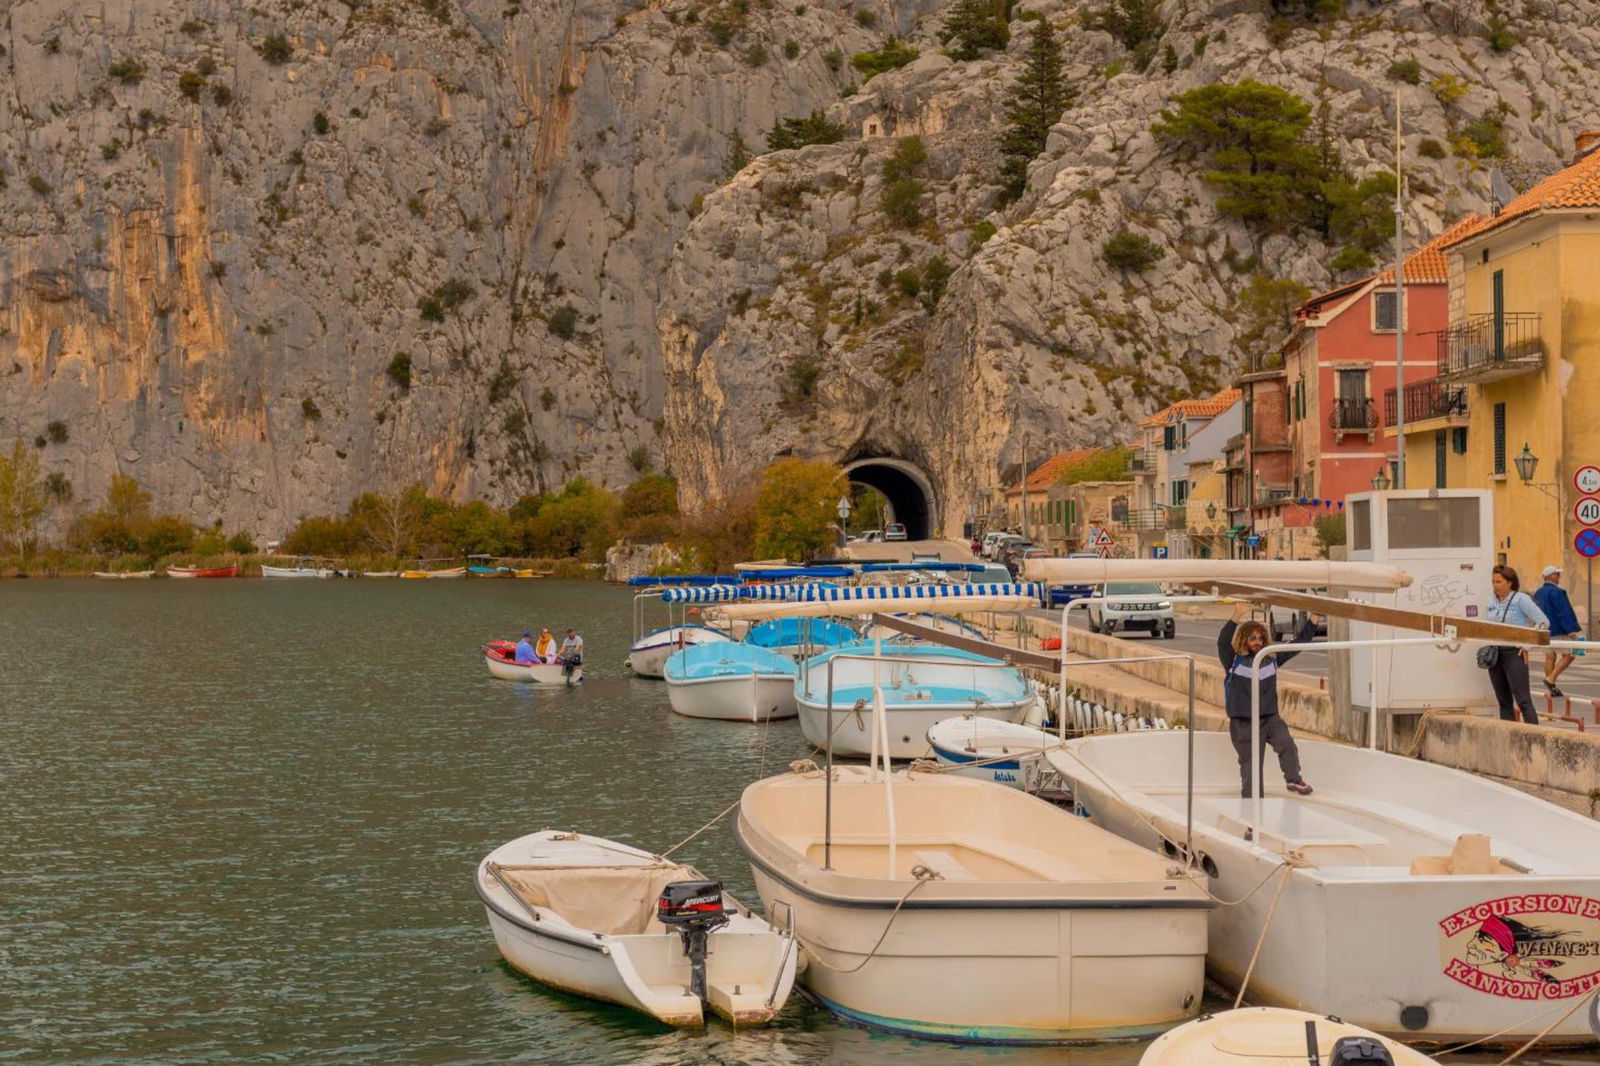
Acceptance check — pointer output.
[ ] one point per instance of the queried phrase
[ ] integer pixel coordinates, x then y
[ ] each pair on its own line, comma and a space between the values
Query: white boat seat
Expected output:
1447, 832
945, 865
1285, 824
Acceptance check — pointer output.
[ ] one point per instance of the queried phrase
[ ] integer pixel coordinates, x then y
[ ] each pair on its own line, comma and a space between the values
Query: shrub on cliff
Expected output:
1127, 250
891, 55
1136, 24
809, 129
276, 49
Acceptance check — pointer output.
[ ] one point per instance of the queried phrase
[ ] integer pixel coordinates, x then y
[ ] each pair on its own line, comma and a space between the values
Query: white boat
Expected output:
501, 657
800, 637
1272, 1036
648, 655
125, 575
380, 573
987, 749
944, 907
731, 682
583, 914
296, 571
1418, 901
919, 684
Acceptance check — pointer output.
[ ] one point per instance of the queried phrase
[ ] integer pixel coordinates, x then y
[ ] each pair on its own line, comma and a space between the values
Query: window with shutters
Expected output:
1439, 453
1384, 314
1169, 437
1458, 440
1499, 438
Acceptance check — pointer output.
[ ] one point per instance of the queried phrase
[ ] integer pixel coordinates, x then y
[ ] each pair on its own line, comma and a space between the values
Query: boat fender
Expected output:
1357, 1051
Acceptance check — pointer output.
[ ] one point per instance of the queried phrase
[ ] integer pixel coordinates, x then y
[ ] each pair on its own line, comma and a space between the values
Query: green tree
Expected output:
23, 498
795, 508
974, 26
809, 129
1136, 24
168, 534
1360, 216
580, 521
1037, 101
1127, 250
325, 536
1253, 135
738, 156
650, 508
127, 502
478, 529
1265, 312
892, 54
389, 522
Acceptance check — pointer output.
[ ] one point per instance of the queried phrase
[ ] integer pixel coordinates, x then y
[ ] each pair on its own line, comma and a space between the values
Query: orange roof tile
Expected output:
1577, 186
1046, 473
1427, 265
1210, 407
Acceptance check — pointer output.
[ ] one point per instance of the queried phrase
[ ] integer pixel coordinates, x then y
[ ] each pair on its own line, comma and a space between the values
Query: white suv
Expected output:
894, 531
1133, 605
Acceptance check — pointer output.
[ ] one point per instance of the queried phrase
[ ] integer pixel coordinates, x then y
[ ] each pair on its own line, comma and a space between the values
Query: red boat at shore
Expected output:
203, 571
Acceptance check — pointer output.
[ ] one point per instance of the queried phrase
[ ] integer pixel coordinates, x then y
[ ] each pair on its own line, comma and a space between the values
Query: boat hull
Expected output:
295, 572
908, 724
750, 967
989, 749
975, 957
125, 575
1263, 1036
537, 673
751, 698
648, 656
1354, 932
203, 571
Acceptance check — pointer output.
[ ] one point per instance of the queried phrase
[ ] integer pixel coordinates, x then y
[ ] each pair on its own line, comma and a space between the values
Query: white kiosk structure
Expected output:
1443, 538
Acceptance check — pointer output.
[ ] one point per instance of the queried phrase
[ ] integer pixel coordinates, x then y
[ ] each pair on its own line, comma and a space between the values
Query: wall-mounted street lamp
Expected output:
1380, 480
1526, 464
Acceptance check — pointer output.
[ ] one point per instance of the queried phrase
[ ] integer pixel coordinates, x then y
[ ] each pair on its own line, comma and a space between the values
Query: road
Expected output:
1199, 636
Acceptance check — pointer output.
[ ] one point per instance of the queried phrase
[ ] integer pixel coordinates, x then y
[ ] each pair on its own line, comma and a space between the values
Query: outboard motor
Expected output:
695, 910
1359, 1051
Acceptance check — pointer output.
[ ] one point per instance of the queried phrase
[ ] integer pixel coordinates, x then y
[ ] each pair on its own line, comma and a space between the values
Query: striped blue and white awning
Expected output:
831, 594
702, 594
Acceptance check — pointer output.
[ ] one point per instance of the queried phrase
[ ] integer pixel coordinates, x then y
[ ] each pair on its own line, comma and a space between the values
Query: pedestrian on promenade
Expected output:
1237, 645
1553, 601
1508, 665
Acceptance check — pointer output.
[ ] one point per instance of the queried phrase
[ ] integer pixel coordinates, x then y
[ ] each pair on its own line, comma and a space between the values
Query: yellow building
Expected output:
1519, 367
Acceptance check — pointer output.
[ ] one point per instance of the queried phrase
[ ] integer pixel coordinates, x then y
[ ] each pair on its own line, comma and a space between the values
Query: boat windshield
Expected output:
1133, 588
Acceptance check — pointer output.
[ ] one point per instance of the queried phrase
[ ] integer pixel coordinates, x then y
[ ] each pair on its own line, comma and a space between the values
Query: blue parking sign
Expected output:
1159, 551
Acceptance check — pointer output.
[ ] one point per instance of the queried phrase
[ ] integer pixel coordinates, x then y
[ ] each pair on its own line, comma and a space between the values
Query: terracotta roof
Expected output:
1428, 266
1210, 407
1046, 473
1578, 186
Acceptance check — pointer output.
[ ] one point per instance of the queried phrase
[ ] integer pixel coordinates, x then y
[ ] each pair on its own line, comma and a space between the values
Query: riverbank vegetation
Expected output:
787, 513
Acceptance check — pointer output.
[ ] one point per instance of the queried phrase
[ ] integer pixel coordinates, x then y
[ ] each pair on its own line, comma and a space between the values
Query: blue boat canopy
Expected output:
788, 632
784, 573
683, 579
954, 568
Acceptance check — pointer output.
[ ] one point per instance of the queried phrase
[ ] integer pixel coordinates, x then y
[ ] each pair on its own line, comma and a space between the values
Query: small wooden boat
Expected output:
1007, 753
124, 575
458, 571
501, 655
296, 571
615, 923
1273, 1036
731, 682
380, 573
232, 570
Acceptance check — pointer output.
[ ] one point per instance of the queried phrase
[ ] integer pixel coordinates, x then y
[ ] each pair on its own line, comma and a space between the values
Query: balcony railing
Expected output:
1146, 518
1269, 497
1177, 517
1425, 400
1142, 461
1489, 347
1353, 416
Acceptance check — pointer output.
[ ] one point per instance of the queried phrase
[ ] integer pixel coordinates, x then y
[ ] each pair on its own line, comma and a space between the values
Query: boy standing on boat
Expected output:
1237, 645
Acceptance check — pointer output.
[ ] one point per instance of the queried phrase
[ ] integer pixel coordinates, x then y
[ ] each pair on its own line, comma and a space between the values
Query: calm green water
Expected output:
241, 819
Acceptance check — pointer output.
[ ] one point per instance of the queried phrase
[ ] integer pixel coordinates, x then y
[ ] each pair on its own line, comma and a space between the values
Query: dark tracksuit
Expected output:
1236, 690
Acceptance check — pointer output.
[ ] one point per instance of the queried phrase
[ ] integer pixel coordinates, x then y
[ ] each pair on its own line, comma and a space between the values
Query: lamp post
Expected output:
844, 520
1380, 480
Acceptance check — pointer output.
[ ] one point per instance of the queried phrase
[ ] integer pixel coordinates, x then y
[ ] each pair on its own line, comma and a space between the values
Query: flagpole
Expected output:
1399, 305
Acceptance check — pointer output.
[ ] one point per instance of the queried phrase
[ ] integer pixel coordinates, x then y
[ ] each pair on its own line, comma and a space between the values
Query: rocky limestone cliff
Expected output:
218, 223
789, 277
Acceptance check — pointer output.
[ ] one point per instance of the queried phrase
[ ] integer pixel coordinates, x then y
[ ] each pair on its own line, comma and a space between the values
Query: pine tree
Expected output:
1038, 100
738, 156
974, 25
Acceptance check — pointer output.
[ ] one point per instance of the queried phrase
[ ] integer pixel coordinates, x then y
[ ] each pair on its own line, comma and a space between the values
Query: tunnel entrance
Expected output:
907, 489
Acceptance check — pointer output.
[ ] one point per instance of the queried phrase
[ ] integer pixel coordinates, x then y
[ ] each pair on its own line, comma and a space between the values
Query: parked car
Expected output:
1133, 605
1003, 543
894, 531
1061, 595
871, 536
992, 573
994, 540
1011, 553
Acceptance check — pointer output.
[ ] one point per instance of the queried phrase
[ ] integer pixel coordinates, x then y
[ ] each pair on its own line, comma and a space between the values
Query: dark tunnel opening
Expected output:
908, 495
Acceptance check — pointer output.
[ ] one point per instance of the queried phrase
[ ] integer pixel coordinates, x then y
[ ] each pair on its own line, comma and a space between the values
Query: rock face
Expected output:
264, 258
792, 275
220, 226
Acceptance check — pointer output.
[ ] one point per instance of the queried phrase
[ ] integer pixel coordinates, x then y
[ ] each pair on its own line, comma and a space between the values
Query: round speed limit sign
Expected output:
1587, 480
1587, 511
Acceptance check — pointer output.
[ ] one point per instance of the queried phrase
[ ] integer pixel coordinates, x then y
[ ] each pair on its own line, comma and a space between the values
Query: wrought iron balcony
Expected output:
1490, 347
1426, 400
1353, 416
1145, 518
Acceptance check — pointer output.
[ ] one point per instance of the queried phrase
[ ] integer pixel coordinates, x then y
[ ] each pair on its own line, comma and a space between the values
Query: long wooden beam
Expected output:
1377, 614
1015, 656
